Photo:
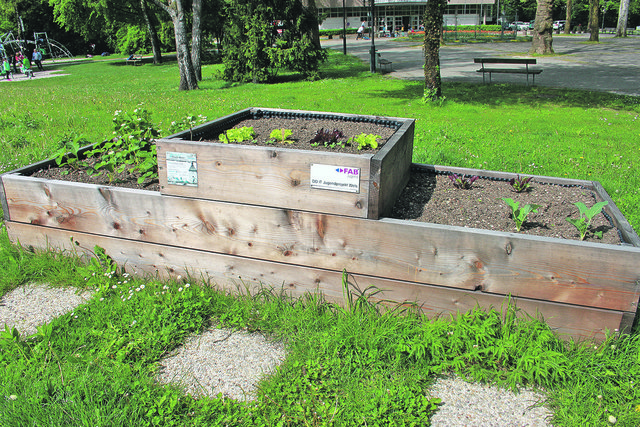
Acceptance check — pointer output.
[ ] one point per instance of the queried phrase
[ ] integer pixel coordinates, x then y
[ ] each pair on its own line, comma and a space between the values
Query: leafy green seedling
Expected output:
518, 214
237, 135
281, 135
69, 152
364, 141
586, 215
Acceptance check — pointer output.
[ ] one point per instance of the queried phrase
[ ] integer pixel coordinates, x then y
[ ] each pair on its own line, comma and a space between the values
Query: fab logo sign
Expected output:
337, 178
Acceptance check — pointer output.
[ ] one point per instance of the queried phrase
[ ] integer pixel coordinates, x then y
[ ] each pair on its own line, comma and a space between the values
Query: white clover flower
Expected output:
114, 287
612, 419
187, 285
141, 286
137, 289
180, 289
178, 277
13, 397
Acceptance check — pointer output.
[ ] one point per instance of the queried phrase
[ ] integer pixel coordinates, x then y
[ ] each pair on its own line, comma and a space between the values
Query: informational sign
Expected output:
182, 169
337, 178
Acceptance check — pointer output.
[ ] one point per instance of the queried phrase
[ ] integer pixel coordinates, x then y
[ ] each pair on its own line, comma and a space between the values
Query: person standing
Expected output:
6, 68
37, 59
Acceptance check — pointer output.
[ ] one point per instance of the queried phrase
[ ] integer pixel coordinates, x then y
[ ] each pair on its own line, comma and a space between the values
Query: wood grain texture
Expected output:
233, 273
280, 177
263, 176
580, 273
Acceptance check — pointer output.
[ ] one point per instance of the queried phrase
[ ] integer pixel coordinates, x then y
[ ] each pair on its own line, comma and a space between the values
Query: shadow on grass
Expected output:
513, 94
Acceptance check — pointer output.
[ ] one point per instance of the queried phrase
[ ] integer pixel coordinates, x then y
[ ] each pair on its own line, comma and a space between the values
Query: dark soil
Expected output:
433, 198
305, 130
427, 197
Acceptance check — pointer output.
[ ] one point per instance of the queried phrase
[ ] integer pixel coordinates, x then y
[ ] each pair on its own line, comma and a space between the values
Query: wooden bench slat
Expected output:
504, 61
508, 70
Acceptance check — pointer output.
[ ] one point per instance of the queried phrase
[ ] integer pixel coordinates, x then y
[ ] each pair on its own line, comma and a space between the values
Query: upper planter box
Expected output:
359, 185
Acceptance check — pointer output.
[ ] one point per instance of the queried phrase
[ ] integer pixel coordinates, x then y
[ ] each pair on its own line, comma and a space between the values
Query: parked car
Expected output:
532, 24
519, 25
559, 25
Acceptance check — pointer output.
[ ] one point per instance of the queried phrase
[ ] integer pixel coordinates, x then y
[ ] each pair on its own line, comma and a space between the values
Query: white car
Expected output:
559, 25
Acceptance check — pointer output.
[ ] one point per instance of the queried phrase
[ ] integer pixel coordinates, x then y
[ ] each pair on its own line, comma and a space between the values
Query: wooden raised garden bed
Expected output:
363, 185
581, 288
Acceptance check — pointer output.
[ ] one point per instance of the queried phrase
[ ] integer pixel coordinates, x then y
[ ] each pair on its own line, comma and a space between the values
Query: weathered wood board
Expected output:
231, 273
412, 261
282, 177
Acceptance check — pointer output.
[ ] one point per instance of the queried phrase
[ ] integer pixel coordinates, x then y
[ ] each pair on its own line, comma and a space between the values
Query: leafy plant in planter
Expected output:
281, 135
132, 147
462, 182
520, 184
69, 152
586, 215
364, 141
237, 135
327, 137
518, 214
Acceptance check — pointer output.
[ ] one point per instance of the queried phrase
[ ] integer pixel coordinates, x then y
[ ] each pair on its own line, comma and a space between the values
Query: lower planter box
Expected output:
580, 288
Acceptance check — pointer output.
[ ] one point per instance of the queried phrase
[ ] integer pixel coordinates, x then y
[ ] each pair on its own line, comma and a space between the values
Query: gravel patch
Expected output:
30, 306
222, 361
482, 405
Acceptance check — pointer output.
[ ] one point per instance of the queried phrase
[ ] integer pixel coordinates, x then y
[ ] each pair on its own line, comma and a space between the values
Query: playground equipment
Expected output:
52, 49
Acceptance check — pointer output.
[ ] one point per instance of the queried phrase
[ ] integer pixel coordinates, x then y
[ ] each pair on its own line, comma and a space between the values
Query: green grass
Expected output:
351, 366
528, 130
345, 366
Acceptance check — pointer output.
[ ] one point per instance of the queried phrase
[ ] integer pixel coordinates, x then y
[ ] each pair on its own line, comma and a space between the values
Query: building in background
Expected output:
404, 15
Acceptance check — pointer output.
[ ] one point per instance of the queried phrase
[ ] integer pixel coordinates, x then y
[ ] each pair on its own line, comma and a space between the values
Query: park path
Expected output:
613, 65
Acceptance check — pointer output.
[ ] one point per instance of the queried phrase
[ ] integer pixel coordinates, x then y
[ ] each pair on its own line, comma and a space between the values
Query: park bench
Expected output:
135, 60
384, 64
516, 61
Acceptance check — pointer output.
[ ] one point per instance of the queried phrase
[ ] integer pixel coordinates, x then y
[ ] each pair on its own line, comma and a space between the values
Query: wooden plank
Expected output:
391, 169
621, 223
266, 176
232, 272
504, 61
280, 176
580, 273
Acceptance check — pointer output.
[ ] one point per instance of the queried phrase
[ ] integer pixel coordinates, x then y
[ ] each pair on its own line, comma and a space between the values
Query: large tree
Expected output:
594, 8
567, 25
177, 12
255, 51
543, 29
433, 20
623, 16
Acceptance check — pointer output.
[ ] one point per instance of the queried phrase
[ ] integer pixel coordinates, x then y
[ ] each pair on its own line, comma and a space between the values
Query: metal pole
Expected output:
372, 66
344, 27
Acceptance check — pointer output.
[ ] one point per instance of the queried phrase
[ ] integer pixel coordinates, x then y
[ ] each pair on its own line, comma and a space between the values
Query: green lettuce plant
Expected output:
586, 215
364, 141
519, 214
242, 134
281, 135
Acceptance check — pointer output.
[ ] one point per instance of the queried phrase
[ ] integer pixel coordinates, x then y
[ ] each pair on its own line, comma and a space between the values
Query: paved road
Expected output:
613, 65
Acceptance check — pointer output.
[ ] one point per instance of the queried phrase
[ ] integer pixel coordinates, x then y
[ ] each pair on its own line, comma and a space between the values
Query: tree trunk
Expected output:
153, 35
175, 10
543, 29
196, 39
594, 8
311, 11
623, 15
567, 25
433, 20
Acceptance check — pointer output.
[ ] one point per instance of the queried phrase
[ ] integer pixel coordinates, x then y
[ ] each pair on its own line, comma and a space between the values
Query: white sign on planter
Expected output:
338, 178
182, 169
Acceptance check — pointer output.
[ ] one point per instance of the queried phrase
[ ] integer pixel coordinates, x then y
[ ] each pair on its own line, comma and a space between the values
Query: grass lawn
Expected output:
350, 366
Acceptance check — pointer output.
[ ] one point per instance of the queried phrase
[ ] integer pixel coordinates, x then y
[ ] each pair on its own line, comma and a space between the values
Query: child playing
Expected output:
6, 68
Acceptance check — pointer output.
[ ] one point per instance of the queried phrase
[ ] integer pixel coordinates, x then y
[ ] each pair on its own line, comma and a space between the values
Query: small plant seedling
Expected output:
281, 135
69, 152
520, 183
327, 137
462, 182
518, 214
586, 215
364, 141
237, 135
